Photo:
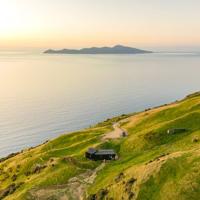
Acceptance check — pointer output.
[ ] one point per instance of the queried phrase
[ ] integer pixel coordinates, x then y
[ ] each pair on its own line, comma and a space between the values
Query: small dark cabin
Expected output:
103, 154
176, 130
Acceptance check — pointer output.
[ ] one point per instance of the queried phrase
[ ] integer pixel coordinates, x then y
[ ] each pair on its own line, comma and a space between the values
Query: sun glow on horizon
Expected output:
59, 24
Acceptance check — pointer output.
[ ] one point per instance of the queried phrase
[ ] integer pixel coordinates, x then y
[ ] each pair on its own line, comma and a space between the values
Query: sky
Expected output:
42, 24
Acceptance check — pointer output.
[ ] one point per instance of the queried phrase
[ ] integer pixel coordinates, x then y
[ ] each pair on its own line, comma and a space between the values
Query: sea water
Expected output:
43, 96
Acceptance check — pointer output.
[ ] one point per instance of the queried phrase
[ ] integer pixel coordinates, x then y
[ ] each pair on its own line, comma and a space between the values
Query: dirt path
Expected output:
116, 133
75, 189
78, 185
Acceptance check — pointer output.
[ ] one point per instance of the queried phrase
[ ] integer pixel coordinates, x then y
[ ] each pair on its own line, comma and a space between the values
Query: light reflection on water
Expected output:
42, 96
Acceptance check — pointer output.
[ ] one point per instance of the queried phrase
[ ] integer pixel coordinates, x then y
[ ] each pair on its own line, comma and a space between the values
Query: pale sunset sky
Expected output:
41, 24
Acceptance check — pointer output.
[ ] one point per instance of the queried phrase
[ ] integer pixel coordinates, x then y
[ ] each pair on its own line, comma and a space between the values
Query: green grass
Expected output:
148, 140
173, 177
66, 153
165, 166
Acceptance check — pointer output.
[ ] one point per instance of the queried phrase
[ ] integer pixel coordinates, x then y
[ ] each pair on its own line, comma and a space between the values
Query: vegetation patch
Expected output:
157, 160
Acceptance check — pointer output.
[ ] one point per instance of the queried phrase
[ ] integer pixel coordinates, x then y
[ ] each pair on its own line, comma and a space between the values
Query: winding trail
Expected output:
116, 133
76, 187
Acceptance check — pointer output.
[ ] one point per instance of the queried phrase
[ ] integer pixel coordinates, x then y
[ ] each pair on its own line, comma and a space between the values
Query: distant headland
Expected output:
118, 49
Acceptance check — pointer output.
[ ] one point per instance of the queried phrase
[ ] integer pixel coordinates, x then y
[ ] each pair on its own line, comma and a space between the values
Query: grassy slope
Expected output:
152, 163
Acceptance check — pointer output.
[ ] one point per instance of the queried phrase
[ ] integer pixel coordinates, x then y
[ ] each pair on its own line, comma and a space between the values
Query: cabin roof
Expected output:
105, 152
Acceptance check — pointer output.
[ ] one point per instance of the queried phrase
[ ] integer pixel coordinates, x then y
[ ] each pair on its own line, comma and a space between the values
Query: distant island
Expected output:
118, 49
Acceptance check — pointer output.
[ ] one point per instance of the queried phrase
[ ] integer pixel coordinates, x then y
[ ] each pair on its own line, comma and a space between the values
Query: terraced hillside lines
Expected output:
48, 165
155, 161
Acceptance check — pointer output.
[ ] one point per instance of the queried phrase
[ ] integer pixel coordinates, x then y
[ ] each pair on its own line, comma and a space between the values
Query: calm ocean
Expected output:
43, 96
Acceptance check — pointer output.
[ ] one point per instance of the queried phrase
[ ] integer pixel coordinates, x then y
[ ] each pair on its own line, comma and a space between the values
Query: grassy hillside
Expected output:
153, 164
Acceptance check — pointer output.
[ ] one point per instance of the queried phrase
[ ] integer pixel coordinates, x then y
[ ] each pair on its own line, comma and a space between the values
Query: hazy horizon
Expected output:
152, 25
154, 49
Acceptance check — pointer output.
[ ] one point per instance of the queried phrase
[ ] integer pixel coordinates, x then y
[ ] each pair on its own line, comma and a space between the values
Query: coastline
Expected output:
58, 168
110, 121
